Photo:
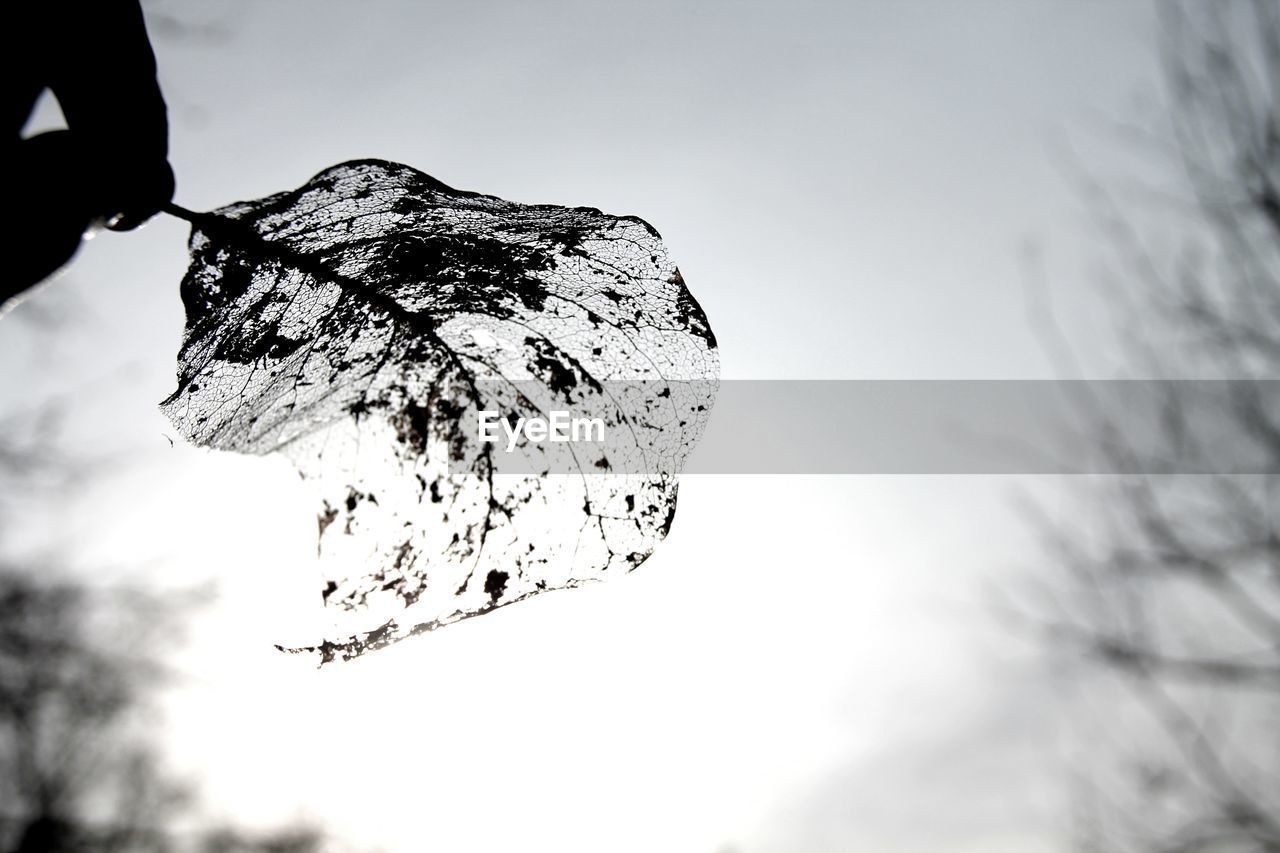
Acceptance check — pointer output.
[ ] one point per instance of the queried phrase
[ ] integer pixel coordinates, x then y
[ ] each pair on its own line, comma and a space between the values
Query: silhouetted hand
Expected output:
111, 164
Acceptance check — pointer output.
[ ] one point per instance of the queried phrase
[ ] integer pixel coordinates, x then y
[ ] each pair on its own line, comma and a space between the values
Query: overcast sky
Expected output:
850, 189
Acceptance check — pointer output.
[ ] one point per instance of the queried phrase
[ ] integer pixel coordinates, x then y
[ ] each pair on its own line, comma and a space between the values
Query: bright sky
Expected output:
805, 664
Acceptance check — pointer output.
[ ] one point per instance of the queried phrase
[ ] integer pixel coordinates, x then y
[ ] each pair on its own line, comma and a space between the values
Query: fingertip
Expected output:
158, 191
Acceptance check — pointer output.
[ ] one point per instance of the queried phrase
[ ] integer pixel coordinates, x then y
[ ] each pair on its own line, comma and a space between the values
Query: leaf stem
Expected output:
182, 213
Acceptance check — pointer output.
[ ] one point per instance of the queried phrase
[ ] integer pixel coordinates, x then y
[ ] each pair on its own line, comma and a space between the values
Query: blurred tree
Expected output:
1171, 588
73, 776
79, 662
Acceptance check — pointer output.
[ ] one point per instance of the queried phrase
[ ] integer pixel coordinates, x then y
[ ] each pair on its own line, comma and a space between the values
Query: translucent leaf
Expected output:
361, 323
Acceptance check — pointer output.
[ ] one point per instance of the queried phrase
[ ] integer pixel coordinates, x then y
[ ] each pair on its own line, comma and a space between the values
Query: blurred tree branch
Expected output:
1173, 588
